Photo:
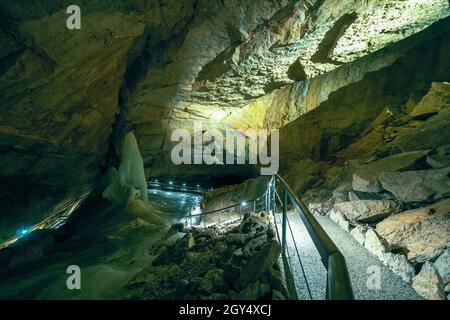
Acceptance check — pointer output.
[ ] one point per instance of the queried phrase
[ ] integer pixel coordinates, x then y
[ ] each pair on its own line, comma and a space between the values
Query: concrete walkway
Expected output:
359, 263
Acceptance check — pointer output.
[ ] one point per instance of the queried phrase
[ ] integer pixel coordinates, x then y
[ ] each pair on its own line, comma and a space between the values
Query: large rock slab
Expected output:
423, 233
367, 211
339, 219
260, 263
442, 265
429, 284
438, 161
376, 245
417, 186
359, 234
400, 266
434, 101
366, 178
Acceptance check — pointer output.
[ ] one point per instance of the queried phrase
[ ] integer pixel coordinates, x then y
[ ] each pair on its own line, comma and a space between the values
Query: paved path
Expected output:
358, 261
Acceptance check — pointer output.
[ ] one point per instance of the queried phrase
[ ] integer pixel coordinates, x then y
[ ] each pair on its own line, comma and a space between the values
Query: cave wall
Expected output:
351, 111
59, 92
149, 66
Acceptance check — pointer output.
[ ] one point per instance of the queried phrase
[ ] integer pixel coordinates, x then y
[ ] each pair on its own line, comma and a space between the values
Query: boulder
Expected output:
442, 265
339, 219
423, 233
366, 181
258, 263
359, 234
277, 295
340, 193
437, 98
352, 196
366, 178
417, 186
255, 291
214, 281
319, 208
438, 161
443, 150
303, 174
429, 134
190, 241
400, 266
375, 244
173, 254
428, 283
367, 211
231, 274
358, 195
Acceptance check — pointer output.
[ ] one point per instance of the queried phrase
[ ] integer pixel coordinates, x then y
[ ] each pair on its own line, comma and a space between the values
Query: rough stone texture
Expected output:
335, 131
211, 264
303, 175
319, 208
424, 232
429, 284
400, 265
227, 196
338, 218
436, 100
59, 91
375, 244
442, 265
359, 234
154, 66
260, 262
367, 211
341, 193
417, 186
366, 178
438, 161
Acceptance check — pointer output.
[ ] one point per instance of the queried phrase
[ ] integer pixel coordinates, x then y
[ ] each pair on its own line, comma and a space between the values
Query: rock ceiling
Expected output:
229, 54
159, 65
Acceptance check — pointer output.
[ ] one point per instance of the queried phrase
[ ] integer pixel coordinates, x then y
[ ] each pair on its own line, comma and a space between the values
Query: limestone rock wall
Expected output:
67, 97
59, 91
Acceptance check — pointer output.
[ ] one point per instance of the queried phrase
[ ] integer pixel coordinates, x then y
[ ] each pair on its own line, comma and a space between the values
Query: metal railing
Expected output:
194, 189
54, 222
228, 214
338, 286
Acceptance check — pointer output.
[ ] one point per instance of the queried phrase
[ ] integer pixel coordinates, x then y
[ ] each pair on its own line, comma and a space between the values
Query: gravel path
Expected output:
358, 261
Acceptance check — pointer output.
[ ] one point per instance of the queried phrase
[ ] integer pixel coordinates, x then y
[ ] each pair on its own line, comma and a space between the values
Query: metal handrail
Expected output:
227, 208
176, 187
338, 280
254, 201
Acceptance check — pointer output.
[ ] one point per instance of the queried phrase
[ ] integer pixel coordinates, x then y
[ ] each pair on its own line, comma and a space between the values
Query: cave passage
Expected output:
99, 260
225, 150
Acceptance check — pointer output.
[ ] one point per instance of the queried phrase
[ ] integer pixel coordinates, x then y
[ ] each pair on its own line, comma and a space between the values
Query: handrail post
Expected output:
265, 200
273, 194
190, 218
283, 227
